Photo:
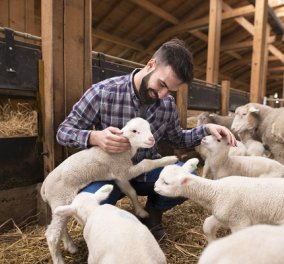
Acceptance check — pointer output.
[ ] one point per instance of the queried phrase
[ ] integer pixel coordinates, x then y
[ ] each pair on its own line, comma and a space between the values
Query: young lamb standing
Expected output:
93, 164
222, 164
239, 150
268, 123
261, 244
112, 235
235, 202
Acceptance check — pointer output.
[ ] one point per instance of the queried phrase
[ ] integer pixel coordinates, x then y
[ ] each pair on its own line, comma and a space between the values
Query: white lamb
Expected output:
235, 202
268, 123
93, 164
239, 150
261, 244
112, 235
254, 147
221, 164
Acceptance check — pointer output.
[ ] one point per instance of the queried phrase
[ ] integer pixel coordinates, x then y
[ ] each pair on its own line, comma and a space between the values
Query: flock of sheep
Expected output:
241, 186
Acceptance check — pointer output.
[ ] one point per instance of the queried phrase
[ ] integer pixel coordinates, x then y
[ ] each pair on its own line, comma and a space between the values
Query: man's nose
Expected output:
163, 93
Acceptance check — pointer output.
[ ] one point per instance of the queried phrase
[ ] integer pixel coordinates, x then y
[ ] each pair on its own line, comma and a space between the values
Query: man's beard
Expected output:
144, 96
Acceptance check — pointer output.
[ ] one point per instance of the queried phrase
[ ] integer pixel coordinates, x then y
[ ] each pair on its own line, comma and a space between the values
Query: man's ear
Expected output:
151, 65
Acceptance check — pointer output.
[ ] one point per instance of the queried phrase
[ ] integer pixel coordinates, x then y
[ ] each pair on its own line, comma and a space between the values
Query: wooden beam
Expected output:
97, 33
259, 43
156, 10
225, 97
213, 52
278, 68
66, 52
182, 104
276, 52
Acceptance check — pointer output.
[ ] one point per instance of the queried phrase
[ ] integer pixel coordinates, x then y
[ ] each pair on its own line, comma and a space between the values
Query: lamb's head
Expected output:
173, 177
246, 118
214, 145
138, 131
84, 204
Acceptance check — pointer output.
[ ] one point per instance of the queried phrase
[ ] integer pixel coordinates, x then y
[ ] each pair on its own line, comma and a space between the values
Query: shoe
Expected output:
154, 222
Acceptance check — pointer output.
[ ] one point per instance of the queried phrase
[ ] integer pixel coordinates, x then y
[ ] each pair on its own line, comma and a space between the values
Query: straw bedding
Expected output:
184, 242
17, 120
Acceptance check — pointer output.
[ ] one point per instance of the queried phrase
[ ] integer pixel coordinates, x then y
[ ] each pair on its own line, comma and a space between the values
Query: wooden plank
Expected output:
4, 13
259, 43
88, 45
182, 103
225, 97
214, 36
17, 17
73, 52
18, 203
156, 10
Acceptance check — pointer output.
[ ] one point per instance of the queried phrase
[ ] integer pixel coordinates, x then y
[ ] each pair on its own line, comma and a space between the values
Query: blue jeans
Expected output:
142, 188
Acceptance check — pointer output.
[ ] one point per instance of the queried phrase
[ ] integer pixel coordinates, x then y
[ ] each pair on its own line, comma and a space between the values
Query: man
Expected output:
109, 104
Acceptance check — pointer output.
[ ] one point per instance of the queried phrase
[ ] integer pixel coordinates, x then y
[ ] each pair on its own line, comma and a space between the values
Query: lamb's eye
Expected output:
166, 183
219, 140
134, 131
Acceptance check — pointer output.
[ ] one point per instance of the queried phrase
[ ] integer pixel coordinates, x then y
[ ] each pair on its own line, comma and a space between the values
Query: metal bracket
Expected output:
10, 50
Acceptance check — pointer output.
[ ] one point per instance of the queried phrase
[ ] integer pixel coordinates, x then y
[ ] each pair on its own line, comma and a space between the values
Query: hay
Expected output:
17, 121
185, 240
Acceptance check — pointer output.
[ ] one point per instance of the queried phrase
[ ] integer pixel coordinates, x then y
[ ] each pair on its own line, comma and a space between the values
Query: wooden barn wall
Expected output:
21, 15
20, 157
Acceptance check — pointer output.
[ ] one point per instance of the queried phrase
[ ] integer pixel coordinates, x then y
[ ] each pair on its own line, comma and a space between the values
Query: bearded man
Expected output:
110, 104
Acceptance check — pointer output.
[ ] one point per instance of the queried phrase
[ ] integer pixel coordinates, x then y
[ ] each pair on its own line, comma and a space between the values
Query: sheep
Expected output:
253, 147
239, 150
207, 117
222, 164
259, 244
112, 235
235, 202
93, 164
268, 123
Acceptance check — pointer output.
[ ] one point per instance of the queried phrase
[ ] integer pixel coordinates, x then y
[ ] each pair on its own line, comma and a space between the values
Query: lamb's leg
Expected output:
53, 236
126, 188
67, 240
148, 165
210, 227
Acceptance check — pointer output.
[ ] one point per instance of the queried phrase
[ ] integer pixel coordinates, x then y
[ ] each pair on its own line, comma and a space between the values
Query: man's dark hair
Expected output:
175, 54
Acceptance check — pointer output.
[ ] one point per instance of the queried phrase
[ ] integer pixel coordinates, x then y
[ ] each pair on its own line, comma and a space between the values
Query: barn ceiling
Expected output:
133, 29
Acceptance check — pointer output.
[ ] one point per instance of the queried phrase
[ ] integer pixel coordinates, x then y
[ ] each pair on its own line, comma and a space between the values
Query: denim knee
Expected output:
114, 196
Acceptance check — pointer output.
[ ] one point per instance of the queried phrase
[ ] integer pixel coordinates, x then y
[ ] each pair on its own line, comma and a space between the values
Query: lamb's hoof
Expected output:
169, 160
142, 214
72, 248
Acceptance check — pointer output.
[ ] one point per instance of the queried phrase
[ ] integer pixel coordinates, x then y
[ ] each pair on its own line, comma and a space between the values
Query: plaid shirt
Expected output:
113, 102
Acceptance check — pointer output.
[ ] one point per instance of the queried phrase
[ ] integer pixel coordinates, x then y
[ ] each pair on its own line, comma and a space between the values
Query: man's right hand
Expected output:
110, 140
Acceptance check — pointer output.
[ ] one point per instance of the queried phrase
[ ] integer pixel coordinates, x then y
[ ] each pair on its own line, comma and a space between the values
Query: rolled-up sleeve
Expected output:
74, 131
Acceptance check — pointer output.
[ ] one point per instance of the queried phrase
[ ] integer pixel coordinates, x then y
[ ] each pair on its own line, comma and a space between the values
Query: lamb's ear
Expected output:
191, 165
104, 192
252, 109
185, 180
65, 210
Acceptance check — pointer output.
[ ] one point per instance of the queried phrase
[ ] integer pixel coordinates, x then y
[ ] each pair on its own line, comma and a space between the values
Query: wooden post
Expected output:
66, 52
225, 97
259, 49
182, 103
213, 50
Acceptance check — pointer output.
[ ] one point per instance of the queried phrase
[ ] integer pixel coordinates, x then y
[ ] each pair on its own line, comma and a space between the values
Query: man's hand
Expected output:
219, 131
110, 140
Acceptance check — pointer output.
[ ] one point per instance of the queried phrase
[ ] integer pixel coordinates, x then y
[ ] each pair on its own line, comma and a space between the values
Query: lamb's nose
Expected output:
151, 139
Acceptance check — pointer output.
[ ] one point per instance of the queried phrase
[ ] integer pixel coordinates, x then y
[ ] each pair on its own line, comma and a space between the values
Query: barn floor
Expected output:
183, 244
